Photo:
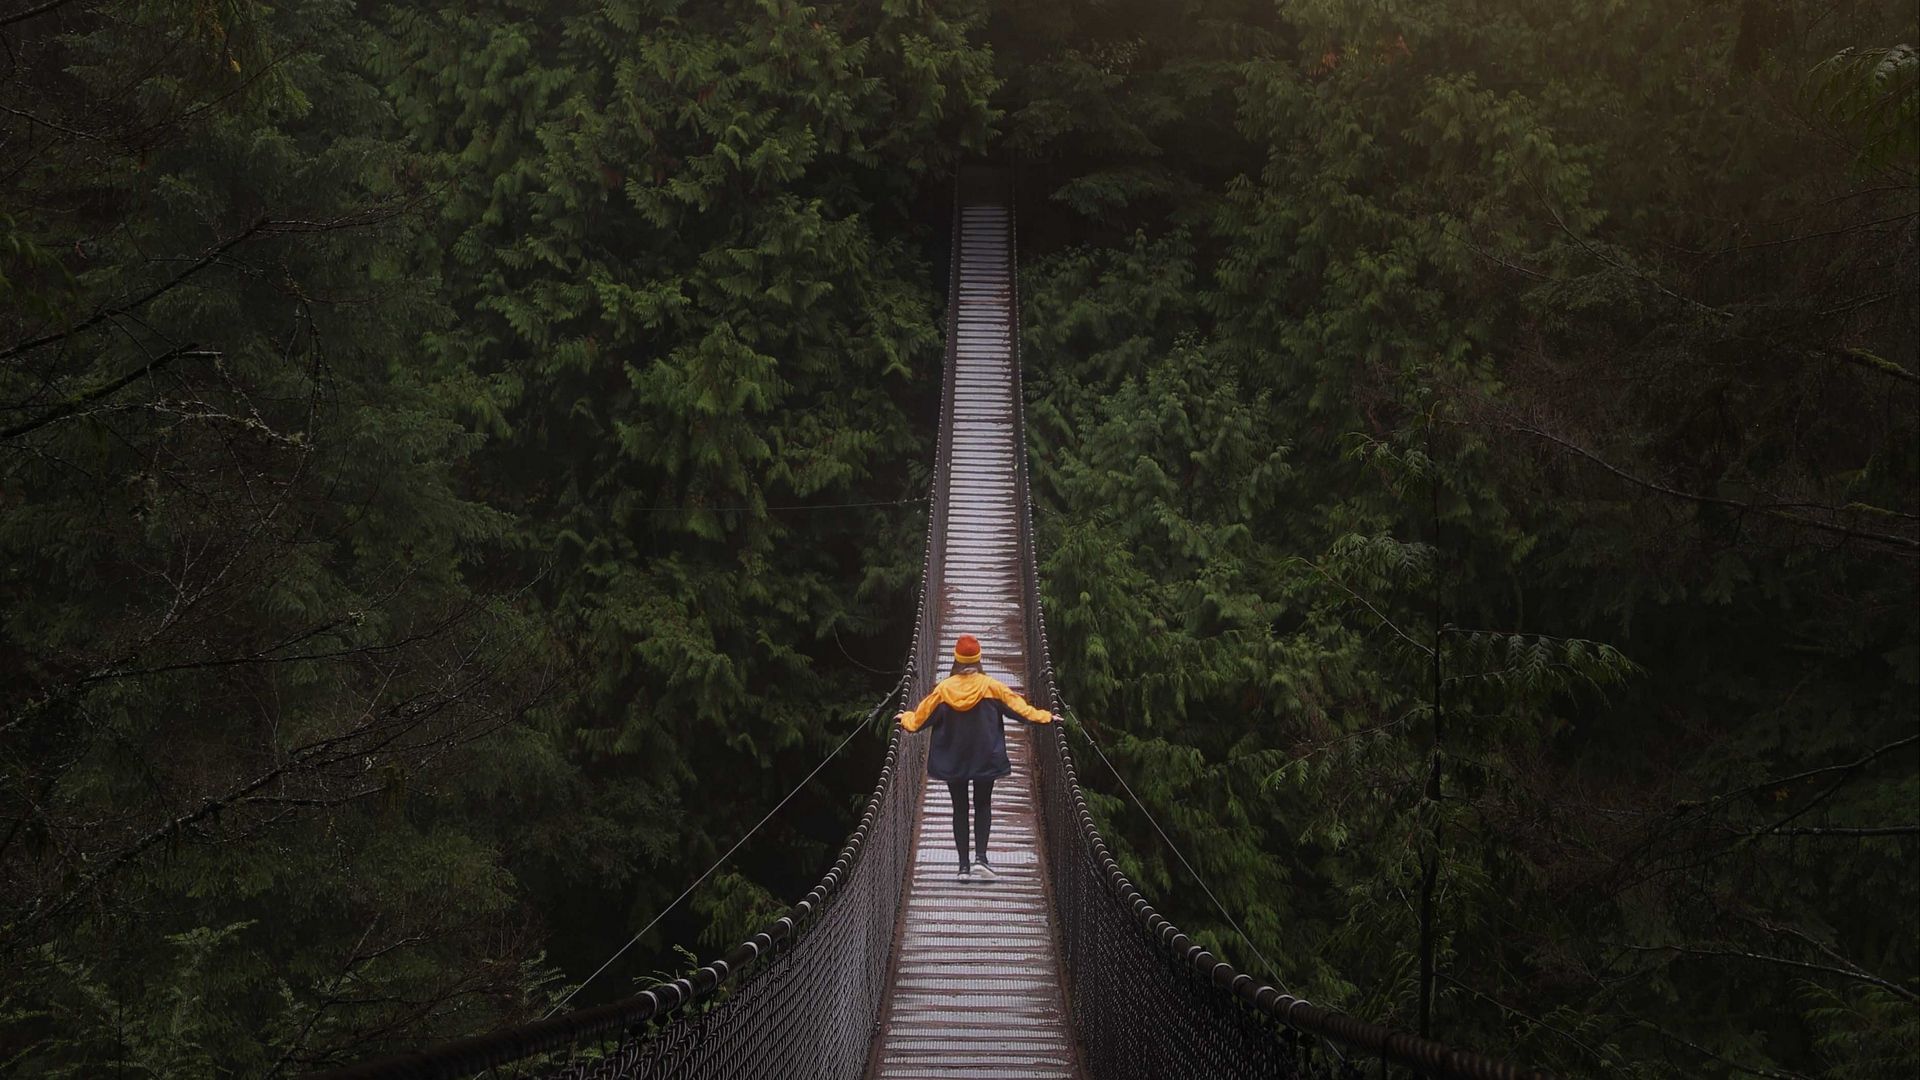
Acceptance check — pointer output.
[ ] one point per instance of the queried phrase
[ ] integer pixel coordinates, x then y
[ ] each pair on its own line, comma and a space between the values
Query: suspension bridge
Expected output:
891, 968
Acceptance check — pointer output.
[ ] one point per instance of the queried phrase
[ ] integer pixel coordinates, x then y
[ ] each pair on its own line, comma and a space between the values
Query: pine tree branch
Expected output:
48, 124
1907, 544
1613, 1060
1815, 944
1848, 971
1645, 277
267, 655
73, 405
1508, 1010
1752, 1070
1783, 781
1872, 362
23, 16
381, 733
1854, 831
1676, 818
1803, 237
1424, 649
206, 258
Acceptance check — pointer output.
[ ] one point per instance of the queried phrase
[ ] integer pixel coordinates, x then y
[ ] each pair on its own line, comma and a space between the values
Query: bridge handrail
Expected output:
572, 1030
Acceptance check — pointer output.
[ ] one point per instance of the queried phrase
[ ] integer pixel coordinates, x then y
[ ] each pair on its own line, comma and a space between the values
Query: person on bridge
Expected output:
970, 743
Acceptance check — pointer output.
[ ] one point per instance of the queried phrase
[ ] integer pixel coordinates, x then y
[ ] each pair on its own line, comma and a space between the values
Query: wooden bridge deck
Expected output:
975, 990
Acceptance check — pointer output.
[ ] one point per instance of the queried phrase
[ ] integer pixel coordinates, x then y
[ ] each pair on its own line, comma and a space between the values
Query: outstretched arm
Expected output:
1019, 705
917, 718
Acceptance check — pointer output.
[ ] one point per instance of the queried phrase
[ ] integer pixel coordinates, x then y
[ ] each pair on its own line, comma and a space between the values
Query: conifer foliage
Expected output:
453, 470
460, 463
1483, 525
246, 673
698, 325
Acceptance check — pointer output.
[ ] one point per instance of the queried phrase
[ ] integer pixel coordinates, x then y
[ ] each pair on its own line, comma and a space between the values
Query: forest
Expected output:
460, 464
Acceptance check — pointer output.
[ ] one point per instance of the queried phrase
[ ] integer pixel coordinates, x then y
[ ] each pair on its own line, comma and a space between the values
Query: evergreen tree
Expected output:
459, 463
1581, 682
697, 317
254, 693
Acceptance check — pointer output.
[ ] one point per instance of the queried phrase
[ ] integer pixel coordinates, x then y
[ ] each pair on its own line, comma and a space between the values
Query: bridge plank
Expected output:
976, 987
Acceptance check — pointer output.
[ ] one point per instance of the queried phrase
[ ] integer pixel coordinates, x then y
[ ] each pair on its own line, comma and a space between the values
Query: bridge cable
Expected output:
858, 728
1175, 848
1218, 906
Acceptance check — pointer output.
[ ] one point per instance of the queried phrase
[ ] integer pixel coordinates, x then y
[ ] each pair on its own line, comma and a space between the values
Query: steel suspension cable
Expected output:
1330, 1044
1175, 848
804, 781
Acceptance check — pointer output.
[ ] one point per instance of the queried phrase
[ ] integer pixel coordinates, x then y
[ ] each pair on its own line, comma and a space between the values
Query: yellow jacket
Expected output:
965, 690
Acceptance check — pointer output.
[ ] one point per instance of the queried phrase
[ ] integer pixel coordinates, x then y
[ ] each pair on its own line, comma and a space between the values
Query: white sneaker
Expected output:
983, 869
964, 873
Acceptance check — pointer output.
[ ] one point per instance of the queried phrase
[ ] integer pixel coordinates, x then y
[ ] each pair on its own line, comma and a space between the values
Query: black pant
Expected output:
982, 816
